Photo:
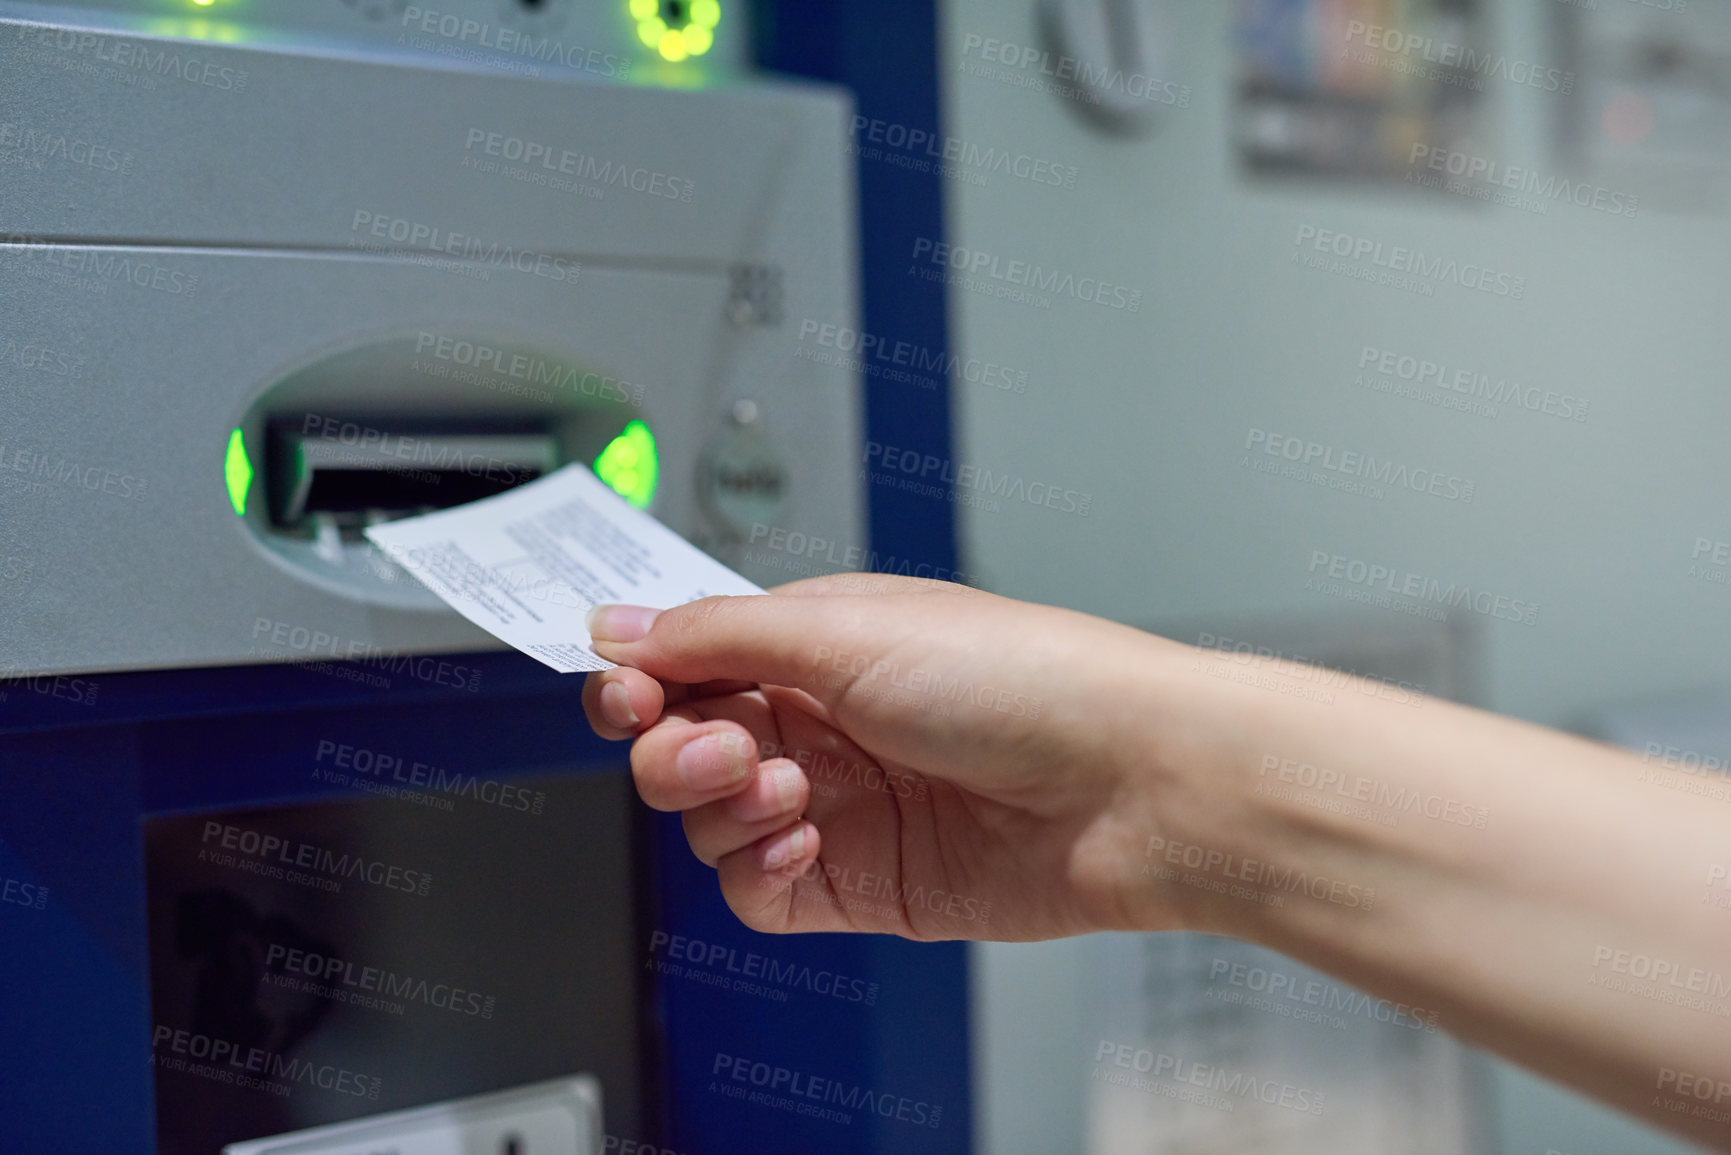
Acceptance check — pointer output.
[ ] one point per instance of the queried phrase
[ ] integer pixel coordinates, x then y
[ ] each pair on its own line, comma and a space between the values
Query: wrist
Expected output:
1187, 751
1237, 842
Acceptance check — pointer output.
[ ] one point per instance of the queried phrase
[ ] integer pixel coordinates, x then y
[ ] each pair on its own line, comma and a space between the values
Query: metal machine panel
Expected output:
190, 260
271, 146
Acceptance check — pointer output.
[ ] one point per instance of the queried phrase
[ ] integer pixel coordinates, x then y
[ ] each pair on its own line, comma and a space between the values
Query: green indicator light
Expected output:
629, 465
238, 470
678, 29
199, 24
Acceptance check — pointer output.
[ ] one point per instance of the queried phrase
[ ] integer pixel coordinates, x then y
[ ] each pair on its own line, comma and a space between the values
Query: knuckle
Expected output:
687, 627
647, 774
696, 838
755, 910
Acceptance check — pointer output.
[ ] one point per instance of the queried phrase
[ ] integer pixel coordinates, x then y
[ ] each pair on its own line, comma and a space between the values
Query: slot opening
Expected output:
342, 473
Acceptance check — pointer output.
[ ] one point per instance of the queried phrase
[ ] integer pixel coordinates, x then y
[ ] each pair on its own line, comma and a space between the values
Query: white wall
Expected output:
1149, 412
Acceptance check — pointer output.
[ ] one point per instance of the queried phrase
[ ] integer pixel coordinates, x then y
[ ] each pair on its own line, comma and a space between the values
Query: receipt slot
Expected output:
399, 427
560, 1117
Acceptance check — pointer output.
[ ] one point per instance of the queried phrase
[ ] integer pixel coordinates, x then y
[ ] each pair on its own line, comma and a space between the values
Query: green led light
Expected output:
677, 29
198, 27
629, 465
238, 470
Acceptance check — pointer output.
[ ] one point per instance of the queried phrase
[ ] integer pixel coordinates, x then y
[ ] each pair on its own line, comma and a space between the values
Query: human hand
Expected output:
872, 753
926, 760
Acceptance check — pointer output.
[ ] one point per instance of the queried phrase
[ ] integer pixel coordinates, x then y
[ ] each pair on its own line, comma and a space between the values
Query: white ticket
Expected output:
527, 565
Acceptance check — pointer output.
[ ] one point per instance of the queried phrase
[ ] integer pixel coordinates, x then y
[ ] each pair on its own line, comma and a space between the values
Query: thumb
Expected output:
782, 641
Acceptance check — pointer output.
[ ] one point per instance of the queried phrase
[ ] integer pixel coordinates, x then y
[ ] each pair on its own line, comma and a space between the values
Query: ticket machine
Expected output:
293, 857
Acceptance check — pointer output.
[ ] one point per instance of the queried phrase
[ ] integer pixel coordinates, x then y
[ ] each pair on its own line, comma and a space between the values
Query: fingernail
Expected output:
787, 783
616, 706
781, 799
712, 762
619, 623
788, 848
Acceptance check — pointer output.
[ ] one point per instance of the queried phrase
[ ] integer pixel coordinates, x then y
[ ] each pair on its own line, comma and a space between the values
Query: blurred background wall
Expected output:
1209, 215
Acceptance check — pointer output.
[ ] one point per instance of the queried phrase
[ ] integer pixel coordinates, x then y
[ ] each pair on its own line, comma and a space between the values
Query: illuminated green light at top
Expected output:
676, 29
630, 466
198, 25
238, 470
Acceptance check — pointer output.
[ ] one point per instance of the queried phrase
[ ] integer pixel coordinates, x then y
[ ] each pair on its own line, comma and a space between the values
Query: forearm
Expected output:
1523, 884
